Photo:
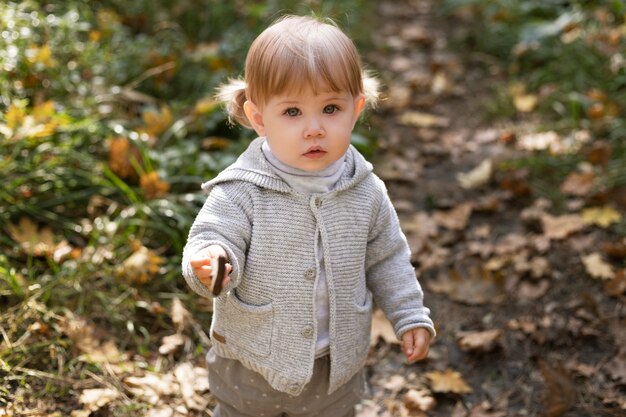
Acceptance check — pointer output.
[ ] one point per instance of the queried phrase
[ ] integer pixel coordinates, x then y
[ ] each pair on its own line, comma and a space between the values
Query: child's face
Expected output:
306, 130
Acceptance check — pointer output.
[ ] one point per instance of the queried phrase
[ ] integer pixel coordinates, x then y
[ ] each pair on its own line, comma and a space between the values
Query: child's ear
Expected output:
359, 105
255, 117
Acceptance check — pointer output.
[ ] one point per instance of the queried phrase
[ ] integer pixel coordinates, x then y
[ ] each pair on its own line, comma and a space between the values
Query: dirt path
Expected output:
541, 338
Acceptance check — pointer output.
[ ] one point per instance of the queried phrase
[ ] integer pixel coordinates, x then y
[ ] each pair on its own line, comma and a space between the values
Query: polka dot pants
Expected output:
241, 392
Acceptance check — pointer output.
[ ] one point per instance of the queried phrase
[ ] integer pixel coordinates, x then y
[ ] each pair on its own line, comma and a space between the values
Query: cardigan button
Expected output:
307, 332
309, 274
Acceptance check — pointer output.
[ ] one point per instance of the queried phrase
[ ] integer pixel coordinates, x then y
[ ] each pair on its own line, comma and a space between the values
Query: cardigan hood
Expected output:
252, 166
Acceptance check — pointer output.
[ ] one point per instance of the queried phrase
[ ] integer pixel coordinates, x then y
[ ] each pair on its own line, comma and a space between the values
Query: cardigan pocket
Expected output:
363, 329
248, 327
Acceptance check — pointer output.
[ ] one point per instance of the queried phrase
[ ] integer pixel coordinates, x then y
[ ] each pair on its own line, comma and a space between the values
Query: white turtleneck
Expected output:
307, 182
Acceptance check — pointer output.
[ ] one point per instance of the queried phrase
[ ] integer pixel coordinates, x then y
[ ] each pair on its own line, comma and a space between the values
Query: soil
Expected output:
562, 335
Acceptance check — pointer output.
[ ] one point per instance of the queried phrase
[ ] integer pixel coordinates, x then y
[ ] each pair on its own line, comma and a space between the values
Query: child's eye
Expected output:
292, 112
330, 109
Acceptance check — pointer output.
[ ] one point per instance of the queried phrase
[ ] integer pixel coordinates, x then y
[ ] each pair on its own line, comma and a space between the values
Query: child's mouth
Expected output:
315, 153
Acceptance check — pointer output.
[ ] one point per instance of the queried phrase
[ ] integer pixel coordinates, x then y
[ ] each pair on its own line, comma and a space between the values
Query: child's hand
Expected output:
201, 264
415, 344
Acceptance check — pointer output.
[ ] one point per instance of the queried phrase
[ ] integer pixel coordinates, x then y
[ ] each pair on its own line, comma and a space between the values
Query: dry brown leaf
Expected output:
193, 382
560, 227
139, 267
448, 381
152, 386
578, 184
395, 383
617, 285
597, 267
560, 393
33, 240
616, 368
421, 400
478, 176
382, 328
532, 291
180, 315
172, 343
85, 338
423, 120
484, 341
455, 219
474, 286
97, 398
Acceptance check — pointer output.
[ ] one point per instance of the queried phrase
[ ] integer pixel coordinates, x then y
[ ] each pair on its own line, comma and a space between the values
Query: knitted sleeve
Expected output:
390, 275
225, 220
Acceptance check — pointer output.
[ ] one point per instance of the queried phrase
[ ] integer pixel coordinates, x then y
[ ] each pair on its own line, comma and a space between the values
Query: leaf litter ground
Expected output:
530, 314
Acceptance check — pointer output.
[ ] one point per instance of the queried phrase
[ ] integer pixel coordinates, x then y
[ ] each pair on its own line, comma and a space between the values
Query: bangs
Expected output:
297, 55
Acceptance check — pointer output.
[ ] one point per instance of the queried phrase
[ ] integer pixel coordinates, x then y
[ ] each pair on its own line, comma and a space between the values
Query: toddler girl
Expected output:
309, 232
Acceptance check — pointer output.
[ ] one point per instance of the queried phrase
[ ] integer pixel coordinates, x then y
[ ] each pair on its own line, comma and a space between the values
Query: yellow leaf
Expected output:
601, 216
525, 103
43, 111
15, 116
204, 106
597, 267
448, 381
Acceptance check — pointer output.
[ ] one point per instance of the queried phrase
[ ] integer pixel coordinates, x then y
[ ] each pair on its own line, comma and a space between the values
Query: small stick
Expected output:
218, 274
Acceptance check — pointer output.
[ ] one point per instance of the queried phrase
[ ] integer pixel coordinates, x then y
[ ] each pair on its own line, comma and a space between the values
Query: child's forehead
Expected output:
308, 91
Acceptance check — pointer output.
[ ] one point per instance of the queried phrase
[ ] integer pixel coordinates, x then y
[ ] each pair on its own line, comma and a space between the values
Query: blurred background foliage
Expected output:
559, 66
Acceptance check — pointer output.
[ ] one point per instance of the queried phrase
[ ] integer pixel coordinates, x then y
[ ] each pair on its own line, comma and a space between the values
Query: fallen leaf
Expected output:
140, 266
474, 286
382, 328
171, 343
484, 341
97, 398
423, 120
560, 393
560, 227
421, 400
525, 103
156, 121
180, 315
616, 286
455, 219
478, 176
448, 381
597, 267
35, 241
539, 141
193, 382
578, 184
601, 216
153, 186
152, 386
91, 342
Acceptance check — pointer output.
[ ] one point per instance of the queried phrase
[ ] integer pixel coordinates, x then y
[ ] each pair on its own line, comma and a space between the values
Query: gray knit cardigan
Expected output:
266, 316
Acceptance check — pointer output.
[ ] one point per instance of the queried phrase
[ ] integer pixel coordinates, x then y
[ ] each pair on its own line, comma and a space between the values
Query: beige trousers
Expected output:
241, 392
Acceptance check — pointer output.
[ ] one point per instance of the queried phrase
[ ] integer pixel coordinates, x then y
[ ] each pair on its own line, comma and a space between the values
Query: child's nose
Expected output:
314, 129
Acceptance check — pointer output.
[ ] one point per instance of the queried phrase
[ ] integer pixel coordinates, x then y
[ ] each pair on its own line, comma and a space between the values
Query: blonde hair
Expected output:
292, 52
